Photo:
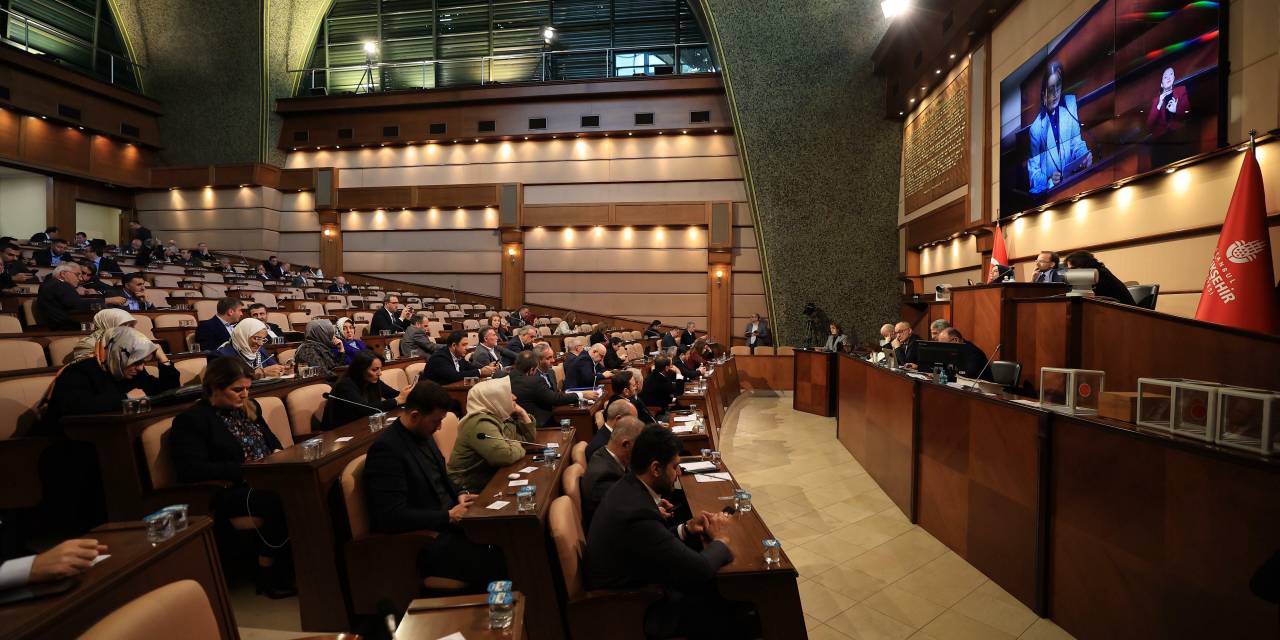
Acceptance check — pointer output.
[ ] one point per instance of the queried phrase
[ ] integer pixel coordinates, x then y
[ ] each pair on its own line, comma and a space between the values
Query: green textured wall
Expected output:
821, 158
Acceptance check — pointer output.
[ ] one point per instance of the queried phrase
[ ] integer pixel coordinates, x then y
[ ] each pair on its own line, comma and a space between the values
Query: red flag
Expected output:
999, 257
1240, 290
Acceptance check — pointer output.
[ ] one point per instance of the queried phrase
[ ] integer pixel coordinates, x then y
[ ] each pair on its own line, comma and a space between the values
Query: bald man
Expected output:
587, 370
886, 335
607, 464
906, 348
612, 415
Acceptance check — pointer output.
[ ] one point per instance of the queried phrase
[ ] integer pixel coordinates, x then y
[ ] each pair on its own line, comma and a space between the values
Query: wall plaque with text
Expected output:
935, 146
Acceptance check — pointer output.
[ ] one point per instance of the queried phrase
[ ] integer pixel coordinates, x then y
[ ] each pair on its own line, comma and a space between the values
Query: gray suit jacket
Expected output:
764, 338
481, 356
416, 342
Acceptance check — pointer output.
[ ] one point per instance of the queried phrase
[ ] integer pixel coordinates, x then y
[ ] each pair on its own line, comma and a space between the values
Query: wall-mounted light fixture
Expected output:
329, 232
719, 277
511, 254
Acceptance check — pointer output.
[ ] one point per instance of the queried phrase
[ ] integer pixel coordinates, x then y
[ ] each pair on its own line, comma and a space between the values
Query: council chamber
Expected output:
577, 319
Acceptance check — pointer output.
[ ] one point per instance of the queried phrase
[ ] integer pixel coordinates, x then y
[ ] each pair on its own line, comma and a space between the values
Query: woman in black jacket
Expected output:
362, 384
211, 441
1109, 286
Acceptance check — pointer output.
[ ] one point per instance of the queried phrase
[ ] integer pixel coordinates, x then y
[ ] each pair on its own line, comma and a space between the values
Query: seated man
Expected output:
53, 256
973, 360
407, 488
102, 265
886, 335
450, 364
546, 366
630, 544
417, 341
607, 465
390, 317
687, 363
65, 560
671, 339
15, 271
212, 332
202, 253
48, 235
531, 392
661, 387
905, 344
339, 285
489, 351
936, 327
523, 340
689, 336
133, 288
626, 388
61, 295
586, 371
1047, 268
615, 412
258, 311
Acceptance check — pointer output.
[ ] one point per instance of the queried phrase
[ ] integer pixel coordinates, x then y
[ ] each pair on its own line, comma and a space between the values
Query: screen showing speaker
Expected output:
1130, 86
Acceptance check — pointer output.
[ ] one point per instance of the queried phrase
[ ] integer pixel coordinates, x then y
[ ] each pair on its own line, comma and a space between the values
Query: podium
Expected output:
815, 386
985, 313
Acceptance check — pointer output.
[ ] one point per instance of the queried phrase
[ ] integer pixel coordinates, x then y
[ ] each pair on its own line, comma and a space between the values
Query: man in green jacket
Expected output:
491, 411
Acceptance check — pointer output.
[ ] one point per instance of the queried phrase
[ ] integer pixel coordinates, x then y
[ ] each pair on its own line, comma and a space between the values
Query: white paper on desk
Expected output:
723, 476
552, 445
685, 418
694, 467
678, 376
527, 470
456, 635
918, 376
682, 429
517, 483
343, 439
497, 504
100, 558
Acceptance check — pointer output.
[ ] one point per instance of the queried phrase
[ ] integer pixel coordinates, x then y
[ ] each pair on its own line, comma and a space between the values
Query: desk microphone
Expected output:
329, 396
485, 436
978, 377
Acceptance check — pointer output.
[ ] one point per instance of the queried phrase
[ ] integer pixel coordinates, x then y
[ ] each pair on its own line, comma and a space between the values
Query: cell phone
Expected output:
537, 458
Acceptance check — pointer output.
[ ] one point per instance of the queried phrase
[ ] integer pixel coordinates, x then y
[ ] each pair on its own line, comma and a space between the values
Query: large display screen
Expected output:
1130, 86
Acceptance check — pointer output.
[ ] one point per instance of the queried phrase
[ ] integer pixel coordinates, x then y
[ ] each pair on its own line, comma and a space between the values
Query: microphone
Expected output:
485, 436
974, 385
329, 396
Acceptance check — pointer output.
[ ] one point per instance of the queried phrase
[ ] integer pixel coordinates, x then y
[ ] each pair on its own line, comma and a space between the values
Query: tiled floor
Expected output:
866, 573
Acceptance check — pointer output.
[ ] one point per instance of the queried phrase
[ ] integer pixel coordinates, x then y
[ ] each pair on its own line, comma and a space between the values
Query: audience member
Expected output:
80, 241
15, 272
60, 296
53, 255
654, 330
102, 264
417, 339
184, 258
245, 345
67, 559
211, 333
662, 386
407, 488
626, 387
134, 248
451, 365
835, 337
905, 344
390, 317
351, 345
103, 321
546, 366
615, 356
260, 273
886, 335
492, 412
688, 366
258, 311
597, 334
273, 268
133, 288
339, 285
566, 326
757, 333
613, 412
606, 465
671, 339
318, 341
202, 253
49, 234
496, 323
972, 360
489, 351
360, 384
90, 283
690, 334
532, 393
630, 545
1109, 285
523, 339
139, 232
1047, 268
936, 327
585, 372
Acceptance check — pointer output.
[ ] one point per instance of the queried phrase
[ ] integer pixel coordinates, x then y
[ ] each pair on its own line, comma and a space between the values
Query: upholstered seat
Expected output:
21, 354
159, 614
570, 482
306, 408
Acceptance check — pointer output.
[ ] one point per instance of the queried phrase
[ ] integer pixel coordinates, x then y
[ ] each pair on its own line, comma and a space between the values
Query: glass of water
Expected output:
772, 552
525, 497
501, 609
179, 514
705, 453
311, 449
159, 527
742, 500
566, 426
715, 457
377, 421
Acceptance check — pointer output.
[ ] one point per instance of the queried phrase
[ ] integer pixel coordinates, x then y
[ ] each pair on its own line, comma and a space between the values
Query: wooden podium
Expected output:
985, 313
815, 387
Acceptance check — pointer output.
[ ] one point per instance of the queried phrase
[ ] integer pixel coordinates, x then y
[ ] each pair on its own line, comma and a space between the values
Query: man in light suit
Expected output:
607, 465
417, 341
757, 332
1057, 150
1047, 268
489, 351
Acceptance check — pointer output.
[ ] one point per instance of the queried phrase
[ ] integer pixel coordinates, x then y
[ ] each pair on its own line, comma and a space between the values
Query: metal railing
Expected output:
118, 68
541, 66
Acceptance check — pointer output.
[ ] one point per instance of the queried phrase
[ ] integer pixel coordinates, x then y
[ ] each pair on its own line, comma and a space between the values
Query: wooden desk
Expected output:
434, 618
876, 422
134, 569
772, 589
523, 536
305, 489
815, 374
985, 313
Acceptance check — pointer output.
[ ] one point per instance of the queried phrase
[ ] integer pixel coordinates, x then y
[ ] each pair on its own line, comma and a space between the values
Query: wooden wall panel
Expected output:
665, 213
119, 163
565, 215
297, 179
191, 177
876, 422
939, 224
53, 146
374, 198
10, 132
1044, 337
466, 195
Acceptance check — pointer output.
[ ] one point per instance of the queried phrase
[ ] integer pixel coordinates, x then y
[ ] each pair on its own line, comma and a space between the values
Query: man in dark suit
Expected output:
202, 254
905, 344
407, 488
523, 340
489, 351
631, 544
212, 332
626, 388
450, 364
102, 265
690, 334
607, 465
273, 267
60, 296
258, 311
671, 339
972, 360
687, 365
390, 317
14, 272
546, 373
587, 370
616, 411
757, 333
53, 256
133, 288
532, 393
1047, 268
139, 232
661, 387
49, 235
339, 285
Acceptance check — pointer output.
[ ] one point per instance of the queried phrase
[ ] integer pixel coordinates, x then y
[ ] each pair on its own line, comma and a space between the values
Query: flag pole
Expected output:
1253, 142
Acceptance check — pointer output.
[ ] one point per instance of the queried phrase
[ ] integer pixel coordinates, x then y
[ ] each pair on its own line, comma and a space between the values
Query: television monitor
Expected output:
946, 354
1130, 86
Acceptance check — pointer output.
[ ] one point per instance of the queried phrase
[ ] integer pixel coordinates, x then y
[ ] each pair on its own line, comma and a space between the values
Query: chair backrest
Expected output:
1006, 372
362, 316
9, 323
470, 324
297, 320
60, 348
277, 418
174, 320
19, 398
395, 347
450, 307
164, 281
279, 318
784, 351
559, 371
178, 605
315, 308
213, 290
330, 307
144, 326
212, 276
268, 299
285, 355
190, 370
414, 370
206, 309
21, 354
29, 311
155, 450
565, 520
544, 330
571, 483
578, 454
157, 297
353, 496
1145, 295
447, 434
740, 350
306, 408
394, 378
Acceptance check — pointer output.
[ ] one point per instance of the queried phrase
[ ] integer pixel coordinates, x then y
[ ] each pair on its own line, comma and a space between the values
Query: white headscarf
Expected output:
492, 397
245, 329
342, 327
102, 322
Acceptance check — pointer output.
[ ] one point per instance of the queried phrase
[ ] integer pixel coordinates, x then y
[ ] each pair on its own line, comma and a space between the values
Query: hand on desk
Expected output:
71, 558
464, 503
715, 526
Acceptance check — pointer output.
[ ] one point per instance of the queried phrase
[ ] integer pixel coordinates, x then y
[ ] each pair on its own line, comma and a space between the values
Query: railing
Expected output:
543, 66
116, 70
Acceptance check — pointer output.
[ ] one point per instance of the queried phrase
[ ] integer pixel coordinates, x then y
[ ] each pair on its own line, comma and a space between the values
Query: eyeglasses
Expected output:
258, 339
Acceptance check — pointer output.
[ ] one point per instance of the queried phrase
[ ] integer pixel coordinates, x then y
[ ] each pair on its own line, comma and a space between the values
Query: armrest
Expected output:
621, 610
20, 471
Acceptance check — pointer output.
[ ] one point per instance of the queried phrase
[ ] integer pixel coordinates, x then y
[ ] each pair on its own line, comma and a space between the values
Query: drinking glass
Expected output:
715, 457
566, 427
179, 514
772, 552
525, 498
311, 449
742, 500
159, 527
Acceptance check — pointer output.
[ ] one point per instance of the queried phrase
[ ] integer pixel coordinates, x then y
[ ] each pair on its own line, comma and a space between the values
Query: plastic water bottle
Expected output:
501, 610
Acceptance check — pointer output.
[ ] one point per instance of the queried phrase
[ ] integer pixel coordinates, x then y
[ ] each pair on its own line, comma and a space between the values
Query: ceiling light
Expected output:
1170, 169
937, 71
952, 57
894, 8
686, 132
902, 113
912, 101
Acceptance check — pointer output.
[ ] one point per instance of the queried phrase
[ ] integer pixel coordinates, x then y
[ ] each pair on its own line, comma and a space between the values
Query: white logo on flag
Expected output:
1242, 251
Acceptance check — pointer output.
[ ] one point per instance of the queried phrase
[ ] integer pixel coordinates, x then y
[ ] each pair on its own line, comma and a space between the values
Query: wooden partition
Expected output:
815, 382
985, 313
766, 372
876, 422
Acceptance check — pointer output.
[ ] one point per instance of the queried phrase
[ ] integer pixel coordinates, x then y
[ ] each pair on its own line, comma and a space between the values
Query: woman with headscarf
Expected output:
246, 345
361, 384
351, 345
116, 370
211, 441
102, 322
319, 339
492, 412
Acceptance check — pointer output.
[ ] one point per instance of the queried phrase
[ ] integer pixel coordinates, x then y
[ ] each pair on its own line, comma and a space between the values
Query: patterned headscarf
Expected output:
121, 347
102, 322
321, 331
